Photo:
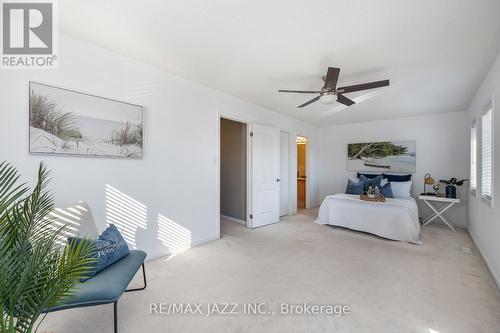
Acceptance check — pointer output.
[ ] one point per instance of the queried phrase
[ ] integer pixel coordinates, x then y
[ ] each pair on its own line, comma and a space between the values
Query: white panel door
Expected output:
265, 175
284, 160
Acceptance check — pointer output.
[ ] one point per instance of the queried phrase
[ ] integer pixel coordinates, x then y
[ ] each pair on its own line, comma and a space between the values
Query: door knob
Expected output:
278, 180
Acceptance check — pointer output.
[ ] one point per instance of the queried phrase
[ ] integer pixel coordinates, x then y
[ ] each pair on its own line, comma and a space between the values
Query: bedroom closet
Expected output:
250, 173
233, 170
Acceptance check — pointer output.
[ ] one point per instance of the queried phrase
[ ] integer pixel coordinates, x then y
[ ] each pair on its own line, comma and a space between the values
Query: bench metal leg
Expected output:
144, 279
115, 308
115, 315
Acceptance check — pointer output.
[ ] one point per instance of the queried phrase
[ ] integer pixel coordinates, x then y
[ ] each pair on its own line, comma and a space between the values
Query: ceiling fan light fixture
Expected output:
328, 98
330, 93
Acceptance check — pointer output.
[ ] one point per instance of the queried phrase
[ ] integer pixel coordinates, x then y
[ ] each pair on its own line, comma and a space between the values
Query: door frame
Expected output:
292, 136
289, 211
248, 173
308, 169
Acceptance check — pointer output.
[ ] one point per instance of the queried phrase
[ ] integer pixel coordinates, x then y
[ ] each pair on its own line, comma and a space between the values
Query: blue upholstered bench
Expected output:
107, 286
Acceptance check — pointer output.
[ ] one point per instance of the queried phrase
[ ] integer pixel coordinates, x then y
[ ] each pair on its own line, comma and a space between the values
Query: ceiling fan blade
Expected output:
300, 91
332, 76
363, 86
309, 102
344, 100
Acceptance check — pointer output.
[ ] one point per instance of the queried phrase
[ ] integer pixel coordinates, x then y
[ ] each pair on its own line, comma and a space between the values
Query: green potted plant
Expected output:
37, 272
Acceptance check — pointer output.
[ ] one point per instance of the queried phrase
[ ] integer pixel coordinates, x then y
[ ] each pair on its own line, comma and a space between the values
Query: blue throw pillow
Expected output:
397, 178
354, 188
370, 182
108, 248
368, 175
386, 190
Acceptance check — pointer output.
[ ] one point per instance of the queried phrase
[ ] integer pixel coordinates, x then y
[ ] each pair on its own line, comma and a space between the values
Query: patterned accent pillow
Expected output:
354, 188
370, 182
108, 248
386, 190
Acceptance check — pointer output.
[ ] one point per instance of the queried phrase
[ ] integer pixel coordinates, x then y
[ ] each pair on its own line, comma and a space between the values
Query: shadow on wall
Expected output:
126, 213
174, 236
131, 218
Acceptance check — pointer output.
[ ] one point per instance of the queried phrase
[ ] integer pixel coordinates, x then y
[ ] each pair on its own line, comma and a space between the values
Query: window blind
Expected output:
473, 158
487, 155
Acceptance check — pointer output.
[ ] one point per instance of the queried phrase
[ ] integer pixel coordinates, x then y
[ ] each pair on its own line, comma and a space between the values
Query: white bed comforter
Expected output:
395, 219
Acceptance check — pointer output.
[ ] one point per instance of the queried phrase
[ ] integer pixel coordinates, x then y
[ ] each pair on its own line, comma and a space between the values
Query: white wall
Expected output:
233, 169
441, 151
484, 221
174, 189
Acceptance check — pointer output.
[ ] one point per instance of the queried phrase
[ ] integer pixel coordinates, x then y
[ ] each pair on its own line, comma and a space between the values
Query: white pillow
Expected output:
401, 189
353, 179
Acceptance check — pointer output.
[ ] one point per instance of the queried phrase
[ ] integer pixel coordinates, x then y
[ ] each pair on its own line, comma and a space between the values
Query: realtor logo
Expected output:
28, 34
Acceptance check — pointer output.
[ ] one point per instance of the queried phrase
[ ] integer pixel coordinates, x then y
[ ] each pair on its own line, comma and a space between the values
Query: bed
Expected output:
395, 219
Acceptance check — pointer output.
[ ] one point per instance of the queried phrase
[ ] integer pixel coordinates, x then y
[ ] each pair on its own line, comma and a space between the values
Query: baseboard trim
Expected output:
493, 275
193, 243
233, 219
205, 240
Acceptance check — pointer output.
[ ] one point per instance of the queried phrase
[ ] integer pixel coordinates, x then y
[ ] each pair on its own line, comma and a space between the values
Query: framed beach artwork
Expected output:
66, 122
389, 157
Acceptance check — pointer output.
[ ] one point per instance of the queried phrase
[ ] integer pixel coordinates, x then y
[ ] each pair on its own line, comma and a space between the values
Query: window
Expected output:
473, 158
487, 154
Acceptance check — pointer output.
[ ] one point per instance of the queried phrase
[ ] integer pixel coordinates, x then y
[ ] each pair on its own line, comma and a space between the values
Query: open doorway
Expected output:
233, 174
284, 174
302, 172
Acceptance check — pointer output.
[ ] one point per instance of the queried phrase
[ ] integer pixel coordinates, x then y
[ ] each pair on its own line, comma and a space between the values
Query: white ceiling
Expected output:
435, 52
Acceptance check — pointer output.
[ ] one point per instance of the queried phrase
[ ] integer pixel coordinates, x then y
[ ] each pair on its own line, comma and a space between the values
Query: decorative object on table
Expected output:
449, 202
371, 192
365, 197
65, 122
451, 190
435, 187
36, 271
428, 180
392, 156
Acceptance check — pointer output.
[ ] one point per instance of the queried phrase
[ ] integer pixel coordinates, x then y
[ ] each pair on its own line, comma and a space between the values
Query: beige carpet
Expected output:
390, 286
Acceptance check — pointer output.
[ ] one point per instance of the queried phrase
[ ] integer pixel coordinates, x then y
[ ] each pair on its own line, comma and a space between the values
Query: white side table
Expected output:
449, 202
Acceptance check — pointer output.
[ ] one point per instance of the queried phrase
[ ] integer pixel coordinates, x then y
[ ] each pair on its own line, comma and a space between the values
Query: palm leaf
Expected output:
36, 272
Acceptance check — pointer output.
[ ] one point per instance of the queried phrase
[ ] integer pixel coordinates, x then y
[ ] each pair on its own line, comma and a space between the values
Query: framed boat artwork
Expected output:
389, 156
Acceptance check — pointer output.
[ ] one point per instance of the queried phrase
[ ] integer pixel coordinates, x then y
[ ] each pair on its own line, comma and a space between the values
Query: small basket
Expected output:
365, 197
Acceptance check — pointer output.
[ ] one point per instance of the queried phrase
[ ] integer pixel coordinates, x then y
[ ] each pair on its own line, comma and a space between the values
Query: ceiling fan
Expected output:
330, 93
